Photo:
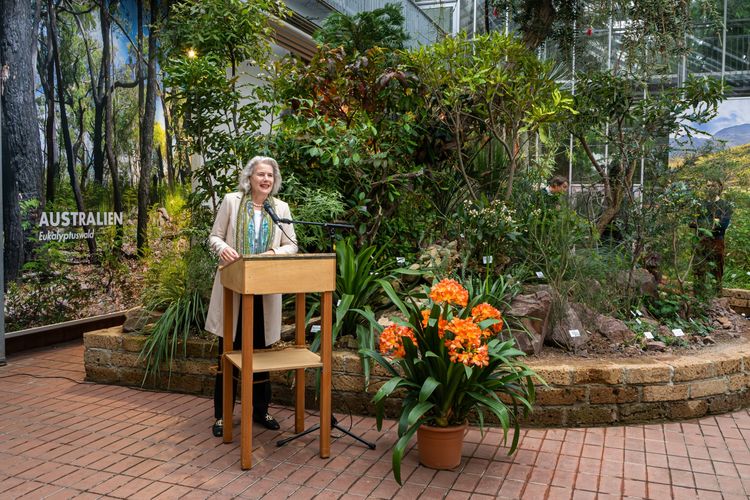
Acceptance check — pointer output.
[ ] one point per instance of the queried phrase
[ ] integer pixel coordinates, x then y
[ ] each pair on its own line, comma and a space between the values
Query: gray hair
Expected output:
247, 172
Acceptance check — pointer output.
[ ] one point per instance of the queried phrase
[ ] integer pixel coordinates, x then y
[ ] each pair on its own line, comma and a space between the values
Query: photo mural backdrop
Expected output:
85, 157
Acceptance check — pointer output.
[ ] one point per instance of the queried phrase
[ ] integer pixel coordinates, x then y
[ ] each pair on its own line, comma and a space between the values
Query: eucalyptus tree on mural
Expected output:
65, 127
147, 132
21, 150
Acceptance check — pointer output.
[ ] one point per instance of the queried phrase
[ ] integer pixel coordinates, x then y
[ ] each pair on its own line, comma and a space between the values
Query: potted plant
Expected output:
448, 360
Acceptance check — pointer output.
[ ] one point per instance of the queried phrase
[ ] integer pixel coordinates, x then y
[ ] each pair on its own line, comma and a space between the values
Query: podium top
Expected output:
268, 274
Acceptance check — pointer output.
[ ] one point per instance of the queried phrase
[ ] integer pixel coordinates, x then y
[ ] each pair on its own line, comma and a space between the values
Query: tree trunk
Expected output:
139, 61
22, 164
109, 125
98, 139
147, 133
66, 131
50, 128
168, 140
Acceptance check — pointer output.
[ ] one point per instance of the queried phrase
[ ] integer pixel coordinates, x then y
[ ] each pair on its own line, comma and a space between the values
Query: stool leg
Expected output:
246, 441
326, 348
299, 377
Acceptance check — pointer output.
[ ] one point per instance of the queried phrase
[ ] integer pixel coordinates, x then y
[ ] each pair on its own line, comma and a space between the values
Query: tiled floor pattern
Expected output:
61, 438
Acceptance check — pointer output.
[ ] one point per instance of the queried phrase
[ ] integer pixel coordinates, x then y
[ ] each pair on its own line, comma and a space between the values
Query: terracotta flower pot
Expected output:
440, 447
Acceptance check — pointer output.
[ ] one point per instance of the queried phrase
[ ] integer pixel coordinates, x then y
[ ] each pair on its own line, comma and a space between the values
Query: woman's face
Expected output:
261, 180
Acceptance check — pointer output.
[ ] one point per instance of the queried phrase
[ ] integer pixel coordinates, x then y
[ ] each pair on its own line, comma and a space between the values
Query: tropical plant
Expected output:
448, 361
382, 27
179, 288
489, 90
358, 292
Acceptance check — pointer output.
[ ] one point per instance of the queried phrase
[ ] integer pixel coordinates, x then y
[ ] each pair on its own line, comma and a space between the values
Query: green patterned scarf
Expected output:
246, 242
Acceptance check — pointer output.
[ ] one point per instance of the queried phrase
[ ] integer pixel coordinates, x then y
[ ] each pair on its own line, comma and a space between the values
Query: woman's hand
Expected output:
229, 254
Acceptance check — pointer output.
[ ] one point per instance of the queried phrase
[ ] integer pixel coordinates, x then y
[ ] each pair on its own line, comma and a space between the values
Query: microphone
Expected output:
268, 208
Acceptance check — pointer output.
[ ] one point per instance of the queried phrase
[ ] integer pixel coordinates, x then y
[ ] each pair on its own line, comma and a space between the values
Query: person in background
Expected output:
557, 185
711, 225
243, 227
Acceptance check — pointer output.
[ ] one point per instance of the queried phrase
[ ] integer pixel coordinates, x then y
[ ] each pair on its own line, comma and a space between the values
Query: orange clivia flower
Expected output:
392, 343
441, 323
451, 292
466, 345
465, 330
485, 311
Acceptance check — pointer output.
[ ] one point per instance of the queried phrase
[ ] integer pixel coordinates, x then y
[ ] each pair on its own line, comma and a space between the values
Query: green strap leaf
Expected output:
428, 388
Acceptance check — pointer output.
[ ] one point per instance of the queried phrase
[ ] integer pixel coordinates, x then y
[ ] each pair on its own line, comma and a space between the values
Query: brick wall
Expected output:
579, 391
739, 299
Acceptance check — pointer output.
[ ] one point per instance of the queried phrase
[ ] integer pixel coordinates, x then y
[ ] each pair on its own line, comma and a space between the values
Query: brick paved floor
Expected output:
66, 439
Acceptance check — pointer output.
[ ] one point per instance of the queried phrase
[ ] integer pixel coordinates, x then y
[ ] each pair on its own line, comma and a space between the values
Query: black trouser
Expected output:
262, 382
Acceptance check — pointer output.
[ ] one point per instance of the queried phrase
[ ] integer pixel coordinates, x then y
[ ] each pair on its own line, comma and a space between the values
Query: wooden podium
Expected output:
269, 274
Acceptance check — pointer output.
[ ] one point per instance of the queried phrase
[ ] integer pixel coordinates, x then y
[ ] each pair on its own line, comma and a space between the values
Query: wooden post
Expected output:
246, 424
226, 366
299, 377
326, 348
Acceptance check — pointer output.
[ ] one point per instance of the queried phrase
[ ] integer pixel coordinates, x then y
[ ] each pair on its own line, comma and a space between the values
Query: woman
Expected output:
243, 227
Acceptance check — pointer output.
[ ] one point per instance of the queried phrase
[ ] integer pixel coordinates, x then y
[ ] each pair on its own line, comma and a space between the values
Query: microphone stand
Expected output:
331, 228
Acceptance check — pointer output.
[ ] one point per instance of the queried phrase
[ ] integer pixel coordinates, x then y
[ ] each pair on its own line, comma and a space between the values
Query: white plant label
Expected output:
539, 274
677, 332
638, 312
400, 261
315, 328
637, 321
338, 302
574, 333
648, 335
487, 259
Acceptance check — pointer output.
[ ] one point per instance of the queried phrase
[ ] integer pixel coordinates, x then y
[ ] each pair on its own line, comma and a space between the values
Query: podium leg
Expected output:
326, 348
299, 377
226, 366
246, 441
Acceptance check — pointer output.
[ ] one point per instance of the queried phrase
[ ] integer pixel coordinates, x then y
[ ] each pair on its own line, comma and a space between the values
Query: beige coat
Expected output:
222, 236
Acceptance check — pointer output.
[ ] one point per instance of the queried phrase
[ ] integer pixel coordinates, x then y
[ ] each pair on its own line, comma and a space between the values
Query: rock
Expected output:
614, 329
560, 334
724, 322
137, 319
639, 279
532, 310
347, 342
656, 345
664, 331
708, 340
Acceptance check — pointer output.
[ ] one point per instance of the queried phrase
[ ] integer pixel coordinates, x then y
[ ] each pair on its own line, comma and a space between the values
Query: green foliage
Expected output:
489, 87
179, 286
47, 293
620, 109
737, 264
203, 41
382, 27
440, 390
312, 204
351, 124
357, 295
489, 229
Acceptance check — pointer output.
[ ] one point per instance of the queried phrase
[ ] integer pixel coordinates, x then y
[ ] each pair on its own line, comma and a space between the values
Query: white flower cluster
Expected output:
495, 215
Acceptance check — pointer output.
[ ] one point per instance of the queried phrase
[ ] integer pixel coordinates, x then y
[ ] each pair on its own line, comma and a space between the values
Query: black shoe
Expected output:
267, 421
218, 428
